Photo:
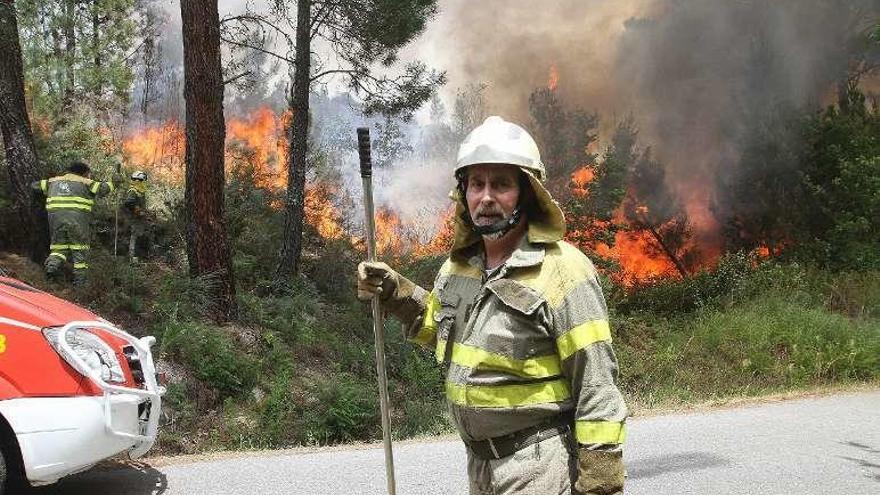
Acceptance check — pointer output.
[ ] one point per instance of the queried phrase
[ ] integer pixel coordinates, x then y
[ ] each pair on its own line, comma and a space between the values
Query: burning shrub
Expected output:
676, 296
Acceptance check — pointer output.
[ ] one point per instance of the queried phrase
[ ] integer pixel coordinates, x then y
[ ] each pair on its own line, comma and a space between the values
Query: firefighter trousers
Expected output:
548, 467
70, 242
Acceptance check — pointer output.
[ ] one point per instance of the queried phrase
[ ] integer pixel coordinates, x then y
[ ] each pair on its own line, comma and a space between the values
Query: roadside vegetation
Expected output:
297, 366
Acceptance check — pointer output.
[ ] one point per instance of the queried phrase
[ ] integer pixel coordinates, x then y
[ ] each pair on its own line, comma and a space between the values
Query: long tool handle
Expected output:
116, 215
363, 134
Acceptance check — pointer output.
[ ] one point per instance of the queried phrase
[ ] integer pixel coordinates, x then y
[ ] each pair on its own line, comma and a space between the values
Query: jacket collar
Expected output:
525, 255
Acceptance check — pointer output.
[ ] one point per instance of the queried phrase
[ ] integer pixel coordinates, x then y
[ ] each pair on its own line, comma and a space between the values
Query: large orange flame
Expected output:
635, 251
258, 139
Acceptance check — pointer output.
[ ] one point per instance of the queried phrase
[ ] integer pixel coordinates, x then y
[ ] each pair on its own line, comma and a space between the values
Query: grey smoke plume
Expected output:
695, 74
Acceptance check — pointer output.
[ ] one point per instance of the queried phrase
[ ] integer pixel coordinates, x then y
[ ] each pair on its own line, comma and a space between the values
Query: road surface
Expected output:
821, 445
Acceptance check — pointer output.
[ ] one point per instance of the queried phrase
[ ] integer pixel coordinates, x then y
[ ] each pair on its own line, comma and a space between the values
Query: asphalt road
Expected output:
825, 445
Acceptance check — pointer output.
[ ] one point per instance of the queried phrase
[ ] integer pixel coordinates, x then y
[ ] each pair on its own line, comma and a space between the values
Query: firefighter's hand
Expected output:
600, 472
375, 278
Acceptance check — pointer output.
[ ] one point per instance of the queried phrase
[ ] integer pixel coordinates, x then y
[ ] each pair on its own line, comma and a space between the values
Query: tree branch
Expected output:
255, 19
257, 48
236, 77
337, 71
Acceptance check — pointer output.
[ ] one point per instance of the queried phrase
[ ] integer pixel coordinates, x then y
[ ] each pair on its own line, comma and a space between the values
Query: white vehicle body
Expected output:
109, 412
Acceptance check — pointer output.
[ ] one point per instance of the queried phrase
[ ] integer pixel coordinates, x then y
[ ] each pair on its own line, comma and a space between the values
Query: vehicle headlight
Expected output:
93, 351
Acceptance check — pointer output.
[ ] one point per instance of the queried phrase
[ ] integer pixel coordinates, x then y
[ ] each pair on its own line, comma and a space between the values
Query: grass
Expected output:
779, 328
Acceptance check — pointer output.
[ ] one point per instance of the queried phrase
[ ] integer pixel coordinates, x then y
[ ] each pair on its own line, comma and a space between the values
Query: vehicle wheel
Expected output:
3, 471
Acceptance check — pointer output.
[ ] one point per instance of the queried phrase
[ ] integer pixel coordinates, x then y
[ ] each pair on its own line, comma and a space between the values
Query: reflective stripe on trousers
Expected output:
548, 467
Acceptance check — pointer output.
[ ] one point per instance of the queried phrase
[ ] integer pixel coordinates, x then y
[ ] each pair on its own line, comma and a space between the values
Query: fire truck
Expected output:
74, 389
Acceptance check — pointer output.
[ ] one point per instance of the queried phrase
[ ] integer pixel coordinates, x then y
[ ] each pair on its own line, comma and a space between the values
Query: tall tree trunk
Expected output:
294, 209
69, 23
96, 49
21, 156
207, 245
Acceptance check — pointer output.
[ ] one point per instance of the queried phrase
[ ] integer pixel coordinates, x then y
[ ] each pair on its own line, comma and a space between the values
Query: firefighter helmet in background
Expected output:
501, 142
139, 175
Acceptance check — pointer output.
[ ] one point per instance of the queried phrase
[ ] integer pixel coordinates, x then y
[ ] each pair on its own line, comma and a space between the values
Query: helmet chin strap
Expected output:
503, 226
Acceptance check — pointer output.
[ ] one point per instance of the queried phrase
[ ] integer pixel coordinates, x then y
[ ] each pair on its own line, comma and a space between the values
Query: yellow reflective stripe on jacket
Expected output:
602, 432
58, 255
68, 206
72, 247
70, 199
474, 357
581, 336
429, 325
507, 395
44, 186
94, 187
80, 266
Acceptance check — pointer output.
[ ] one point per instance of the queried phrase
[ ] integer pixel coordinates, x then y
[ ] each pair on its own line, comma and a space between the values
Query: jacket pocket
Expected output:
513, 323
446, 319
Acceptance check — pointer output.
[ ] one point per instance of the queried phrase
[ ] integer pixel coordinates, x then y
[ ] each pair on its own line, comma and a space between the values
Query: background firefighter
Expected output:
135, 205
69, 201
519, 325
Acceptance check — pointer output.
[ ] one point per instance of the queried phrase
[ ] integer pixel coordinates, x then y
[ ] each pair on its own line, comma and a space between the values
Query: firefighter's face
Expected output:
492, 192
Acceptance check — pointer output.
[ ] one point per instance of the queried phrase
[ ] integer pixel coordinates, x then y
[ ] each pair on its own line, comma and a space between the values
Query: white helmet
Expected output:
499, 141
139, 175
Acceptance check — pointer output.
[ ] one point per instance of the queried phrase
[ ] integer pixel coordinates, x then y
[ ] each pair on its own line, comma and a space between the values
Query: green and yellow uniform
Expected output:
135, 204
69, 202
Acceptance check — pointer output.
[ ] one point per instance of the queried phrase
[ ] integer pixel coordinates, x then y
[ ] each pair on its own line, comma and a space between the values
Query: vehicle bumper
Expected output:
59, 436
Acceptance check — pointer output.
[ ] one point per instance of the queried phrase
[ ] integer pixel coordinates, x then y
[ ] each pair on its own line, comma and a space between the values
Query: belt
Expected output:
505, 445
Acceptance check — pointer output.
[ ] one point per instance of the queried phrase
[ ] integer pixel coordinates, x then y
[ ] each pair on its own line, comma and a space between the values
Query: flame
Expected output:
633, 251
553, 78
258, 138
580, 178
321, 213
442, 240
158, 150
263, 132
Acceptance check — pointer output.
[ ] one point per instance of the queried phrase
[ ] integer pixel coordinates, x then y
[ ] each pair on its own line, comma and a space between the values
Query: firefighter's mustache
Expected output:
492, 214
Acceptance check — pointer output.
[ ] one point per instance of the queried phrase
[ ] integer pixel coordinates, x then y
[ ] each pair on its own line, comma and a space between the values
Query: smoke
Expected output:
696, 75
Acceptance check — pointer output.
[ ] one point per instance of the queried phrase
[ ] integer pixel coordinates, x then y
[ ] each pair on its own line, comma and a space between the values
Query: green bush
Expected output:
278, 413
342, 408
213, 356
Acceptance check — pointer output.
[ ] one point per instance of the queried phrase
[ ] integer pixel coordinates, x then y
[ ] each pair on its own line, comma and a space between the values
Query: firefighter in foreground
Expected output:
135, 204
519, 325
69, 201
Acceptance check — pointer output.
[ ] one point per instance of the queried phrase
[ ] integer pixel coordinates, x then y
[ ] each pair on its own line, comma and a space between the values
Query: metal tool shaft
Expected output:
116, 215
363, 134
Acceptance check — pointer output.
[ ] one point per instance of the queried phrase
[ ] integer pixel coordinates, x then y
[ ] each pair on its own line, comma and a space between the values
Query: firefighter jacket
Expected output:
135, 202
69, 201
525, 343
